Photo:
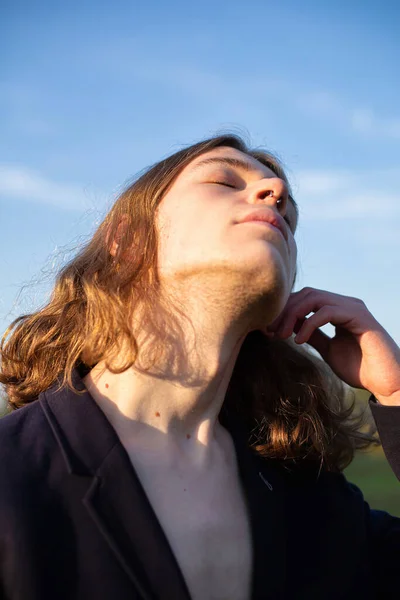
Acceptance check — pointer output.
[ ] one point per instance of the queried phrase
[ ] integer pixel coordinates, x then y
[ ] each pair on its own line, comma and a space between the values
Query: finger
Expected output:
299, 324
318, 319
320, 342
291, 302
327, 314
318, 339
299, 308
276, 324
302, 303
297, 304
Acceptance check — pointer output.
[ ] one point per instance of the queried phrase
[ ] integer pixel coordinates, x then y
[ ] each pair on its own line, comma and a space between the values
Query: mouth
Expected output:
264, 224
267, 218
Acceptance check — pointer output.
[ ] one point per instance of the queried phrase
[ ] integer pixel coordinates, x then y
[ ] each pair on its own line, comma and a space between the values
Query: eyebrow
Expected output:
242, 165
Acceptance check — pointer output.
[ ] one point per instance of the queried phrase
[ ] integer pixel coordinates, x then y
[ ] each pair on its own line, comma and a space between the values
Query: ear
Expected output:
121, 232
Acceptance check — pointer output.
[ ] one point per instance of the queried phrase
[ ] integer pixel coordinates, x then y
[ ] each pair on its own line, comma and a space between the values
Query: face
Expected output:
201, 230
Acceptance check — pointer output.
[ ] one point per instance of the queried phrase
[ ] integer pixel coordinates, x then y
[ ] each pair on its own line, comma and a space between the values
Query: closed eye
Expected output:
223, 183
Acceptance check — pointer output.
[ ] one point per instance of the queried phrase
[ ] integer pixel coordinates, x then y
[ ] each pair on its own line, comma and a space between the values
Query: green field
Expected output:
371, 472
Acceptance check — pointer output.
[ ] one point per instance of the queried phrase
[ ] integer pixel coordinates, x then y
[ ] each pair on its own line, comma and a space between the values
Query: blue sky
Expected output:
91, 93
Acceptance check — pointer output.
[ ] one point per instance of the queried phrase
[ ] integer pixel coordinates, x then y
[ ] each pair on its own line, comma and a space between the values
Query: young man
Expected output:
173, 325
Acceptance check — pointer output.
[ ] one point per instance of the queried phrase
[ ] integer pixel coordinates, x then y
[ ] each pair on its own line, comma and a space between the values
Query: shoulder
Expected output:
387, 419
26, 442
22, 428
324, 493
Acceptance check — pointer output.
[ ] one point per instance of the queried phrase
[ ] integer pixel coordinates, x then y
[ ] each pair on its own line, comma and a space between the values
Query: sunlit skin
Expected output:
232, 278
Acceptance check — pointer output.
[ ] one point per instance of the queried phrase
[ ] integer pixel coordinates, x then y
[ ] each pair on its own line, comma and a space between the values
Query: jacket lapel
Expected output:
118, 505
113, 495
264, 484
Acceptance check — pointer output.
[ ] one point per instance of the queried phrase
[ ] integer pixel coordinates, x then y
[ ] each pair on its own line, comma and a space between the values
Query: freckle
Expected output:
157, 414
184, 489
107, 385
188, 435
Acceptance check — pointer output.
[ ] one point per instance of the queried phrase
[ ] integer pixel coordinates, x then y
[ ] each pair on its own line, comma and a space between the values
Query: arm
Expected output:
387, 419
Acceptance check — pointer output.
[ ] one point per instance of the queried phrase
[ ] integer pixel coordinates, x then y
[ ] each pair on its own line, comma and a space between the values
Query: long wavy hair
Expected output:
291, 402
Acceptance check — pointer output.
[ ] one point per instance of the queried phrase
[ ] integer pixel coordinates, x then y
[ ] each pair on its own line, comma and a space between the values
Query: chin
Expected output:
268, 291
269, 272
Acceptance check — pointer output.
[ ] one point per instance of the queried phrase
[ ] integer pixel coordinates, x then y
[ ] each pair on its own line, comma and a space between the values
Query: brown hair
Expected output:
294, 405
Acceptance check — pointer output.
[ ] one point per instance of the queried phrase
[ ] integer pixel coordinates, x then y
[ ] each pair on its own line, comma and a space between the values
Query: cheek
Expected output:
293, 255
187, 236
293, 249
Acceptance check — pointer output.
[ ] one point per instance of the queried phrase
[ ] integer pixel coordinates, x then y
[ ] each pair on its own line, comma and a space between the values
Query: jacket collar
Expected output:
118, 505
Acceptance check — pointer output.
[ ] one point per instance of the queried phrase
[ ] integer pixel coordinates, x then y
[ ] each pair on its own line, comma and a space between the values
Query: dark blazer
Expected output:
75, 522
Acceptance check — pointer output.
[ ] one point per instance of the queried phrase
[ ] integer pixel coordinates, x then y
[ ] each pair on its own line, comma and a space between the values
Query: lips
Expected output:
268, 216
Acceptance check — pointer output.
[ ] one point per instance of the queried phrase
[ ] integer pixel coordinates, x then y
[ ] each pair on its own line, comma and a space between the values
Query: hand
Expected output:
361, 353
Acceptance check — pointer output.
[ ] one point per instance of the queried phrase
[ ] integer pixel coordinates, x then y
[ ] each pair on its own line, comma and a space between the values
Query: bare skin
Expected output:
232, 278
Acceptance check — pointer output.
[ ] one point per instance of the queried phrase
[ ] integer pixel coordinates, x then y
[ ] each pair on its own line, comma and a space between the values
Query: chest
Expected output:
206, 522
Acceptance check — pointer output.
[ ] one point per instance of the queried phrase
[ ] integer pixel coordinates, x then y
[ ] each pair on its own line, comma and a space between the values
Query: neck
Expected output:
163, 415
172, 410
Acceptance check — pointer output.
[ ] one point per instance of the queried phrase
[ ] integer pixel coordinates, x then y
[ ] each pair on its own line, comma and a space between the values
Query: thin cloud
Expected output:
22, 183
386, 234
343, 195
361, 119
367, 122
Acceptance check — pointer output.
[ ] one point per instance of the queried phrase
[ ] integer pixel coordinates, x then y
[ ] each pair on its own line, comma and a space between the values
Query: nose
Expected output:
273, 188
